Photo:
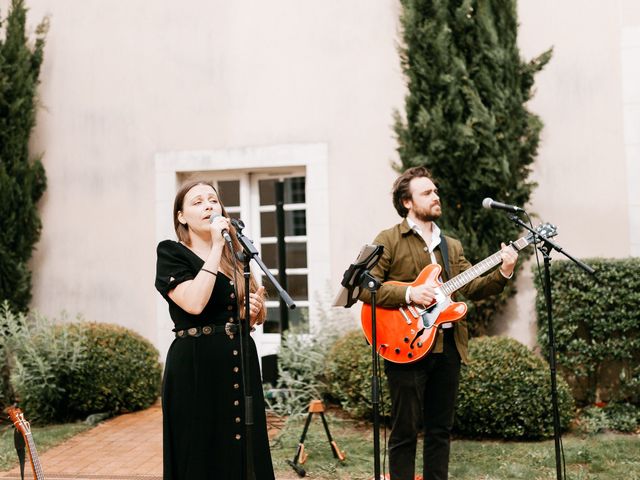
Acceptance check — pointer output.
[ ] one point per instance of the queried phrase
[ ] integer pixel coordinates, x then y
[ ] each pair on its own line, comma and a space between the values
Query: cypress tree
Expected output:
22, 178
466, 119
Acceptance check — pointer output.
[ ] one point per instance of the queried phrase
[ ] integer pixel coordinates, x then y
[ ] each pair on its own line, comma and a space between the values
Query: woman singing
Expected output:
202, 393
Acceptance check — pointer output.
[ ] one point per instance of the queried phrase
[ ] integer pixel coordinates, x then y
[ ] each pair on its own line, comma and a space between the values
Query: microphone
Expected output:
225, 232
491, 203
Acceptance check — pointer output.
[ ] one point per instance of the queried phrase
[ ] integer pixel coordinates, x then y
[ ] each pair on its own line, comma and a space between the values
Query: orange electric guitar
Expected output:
17, 417
407, 333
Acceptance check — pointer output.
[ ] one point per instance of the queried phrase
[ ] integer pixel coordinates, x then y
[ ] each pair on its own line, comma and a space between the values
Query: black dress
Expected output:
202, 394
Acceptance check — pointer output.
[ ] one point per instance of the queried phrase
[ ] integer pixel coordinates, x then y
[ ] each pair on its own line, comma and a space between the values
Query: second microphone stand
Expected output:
546, 246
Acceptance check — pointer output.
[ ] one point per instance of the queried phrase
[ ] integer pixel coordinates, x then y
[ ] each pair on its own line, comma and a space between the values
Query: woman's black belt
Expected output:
228, 328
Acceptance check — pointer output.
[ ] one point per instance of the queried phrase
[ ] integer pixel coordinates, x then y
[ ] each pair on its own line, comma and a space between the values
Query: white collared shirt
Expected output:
431, 243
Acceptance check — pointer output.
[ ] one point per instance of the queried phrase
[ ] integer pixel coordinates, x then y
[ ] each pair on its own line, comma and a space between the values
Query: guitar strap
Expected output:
18, 441
444, 250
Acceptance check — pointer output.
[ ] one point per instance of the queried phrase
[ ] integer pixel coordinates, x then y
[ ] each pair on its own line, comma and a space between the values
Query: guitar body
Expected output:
406, 334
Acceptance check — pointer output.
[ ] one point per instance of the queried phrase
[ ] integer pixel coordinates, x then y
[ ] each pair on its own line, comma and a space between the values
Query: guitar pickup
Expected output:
413, 311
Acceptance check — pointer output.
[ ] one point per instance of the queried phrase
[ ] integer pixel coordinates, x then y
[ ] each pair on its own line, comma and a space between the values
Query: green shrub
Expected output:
621, 417
120, 371
301, 360
37, 362
506, 392
348, 372
597, 328
66, 371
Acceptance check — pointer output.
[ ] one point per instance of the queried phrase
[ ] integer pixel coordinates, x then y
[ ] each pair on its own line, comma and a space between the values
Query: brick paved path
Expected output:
127, 447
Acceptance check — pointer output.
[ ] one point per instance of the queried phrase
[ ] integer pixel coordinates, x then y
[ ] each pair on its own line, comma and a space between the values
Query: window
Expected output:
295, 242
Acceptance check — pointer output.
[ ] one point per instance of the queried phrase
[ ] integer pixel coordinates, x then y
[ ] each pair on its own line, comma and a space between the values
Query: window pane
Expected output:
295, 223
298, 319
297, 289
296, 255
267, 191
294, 190
270, 255
229, 192
268, 227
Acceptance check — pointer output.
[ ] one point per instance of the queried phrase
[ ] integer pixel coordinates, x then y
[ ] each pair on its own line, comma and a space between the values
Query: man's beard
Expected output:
425, 216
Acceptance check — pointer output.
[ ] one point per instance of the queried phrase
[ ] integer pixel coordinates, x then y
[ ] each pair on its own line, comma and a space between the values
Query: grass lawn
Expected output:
601, 457
45, 437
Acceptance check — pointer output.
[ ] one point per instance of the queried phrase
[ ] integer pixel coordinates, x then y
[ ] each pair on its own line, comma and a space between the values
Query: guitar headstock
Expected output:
545, 229
17, 417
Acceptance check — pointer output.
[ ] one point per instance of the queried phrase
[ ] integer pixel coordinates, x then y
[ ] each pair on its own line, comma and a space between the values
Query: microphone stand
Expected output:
250, 253
546, 247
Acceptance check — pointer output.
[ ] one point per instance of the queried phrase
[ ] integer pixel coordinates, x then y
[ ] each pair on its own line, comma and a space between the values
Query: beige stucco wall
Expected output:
125, 81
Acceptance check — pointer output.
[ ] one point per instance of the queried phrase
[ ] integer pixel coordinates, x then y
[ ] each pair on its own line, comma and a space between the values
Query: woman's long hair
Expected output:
228, 263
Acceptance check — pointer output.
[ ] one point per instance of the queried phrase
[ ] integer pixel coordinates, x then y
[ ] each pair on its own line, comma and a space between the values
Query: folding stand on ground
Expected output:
316, 406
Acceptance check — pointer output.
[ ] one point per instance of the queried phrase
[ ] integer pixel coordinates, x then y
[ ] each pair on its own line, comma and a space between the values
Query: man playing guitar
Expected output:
423, 392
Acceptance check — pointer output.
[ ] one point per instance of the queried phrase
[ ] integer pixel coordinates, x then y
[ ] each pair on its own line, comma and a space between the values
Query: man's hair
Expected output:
401, 190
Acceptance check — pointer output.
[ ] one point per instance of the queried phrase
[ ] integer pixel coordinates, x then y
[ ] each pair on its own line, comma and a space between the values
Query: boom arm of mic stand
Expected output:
553, 245
250, 250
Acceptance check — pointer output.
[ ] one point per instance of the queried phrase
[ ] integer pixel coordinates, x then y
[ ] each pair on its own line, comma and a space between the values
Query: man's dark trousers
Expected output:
423, 396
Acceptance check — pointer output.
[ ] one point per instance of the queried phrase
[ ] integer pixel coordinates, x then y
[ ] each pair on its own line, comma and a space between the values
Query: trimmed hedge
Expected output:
505, 392
597, 328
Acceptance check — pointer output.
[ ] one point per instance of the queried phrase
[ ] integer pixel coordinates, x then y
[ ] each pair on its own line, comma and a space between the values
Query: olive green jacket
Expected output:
406, 254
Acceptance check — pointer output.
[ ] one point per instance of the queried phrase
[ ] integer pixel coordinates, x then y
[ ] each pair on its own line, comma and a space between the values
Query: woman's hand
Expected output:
218, 224
256, 305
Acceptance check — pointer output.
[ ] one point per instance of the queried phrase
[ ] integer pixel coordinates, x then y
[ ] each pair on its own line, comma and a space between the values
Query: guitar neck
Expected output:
33, 454
478, 269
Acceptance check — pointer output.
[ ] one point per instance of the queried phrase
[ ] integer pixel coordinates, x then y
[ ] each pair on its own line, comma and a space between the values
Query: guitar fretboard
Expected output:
35, 461
478, 269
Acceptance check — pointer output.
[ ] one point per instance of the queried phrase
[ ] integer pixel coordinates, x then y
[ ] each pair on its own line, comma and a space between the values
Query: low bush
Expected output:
505, 392
66, 371
620, 417
37, 362
120, 371
301, 361
348, 371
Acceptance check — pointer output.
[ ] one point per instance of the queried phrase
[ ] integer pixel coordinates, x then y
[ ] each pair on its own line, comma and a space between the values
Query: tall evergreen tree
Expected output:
22, 179
466, 118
